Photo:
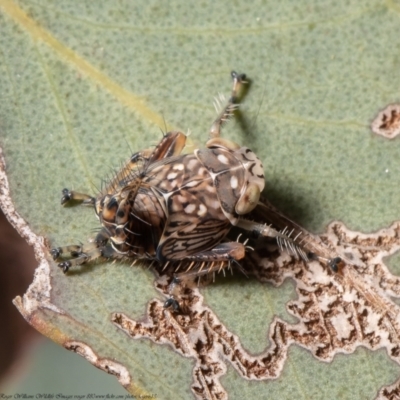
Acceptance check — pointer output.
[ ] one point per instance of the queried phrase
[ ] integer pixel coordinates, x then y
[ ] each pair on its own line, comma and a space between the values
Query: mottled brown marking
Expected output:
387, 122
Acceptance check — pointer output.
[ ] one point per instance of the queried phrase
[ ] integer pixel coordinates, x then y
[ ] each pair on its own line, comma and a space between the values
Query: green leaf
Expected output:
83, 83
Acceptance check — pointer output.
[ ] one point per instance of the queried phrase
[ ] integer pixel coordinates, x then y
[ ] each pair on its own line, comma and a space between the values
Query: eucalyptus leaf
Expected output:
85, 84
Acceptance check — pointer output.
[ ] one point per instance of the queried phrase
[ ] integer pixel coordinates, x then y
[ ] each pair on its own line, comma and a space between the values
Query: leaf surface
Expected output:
84, 84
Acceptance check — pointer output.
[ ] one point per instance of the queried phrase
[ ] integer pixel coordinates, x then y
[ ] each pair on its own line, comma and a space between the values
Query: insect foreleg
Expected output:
58, 252
71, 195
82, 254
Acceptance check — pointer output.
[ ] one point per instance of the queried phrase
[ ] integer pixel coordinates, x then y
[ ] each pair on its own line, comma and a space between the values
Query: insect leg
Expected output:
231, 106
58, 252
311, 244
71, 195
81, 254
222, 252
204, 263
284, 238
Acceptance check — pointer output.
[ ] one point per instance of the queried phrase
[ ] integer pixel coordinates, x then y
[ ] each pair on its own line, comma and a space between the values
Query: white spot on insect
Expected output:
223, 159
192, 164
178, 167
210, 188
172, 175
176, 207
234, 182
202, 171
190, 208
202, 210
215, 204
181, 198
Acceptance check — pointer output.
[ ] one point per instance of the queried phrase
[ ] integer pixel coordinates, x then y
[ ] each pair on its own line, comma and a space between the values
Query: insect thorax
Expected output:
178, 206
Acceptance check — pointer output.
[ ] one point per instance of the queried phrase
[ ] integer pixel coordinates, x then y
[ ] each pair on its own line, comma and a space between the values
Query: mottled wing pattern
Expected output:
195, 221
228, 178
200, 229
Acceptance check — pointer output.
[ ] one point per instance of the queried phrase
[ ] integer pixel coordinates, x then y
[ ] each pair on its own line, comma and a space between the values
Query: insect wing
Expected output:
201, 228
195, 220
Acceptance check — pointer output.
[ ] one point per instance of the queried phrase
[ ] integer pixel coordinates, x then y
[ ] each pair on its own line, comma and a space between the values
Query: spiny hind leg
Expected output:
181, 281
230, 107
293, 243
284, 239
207, 262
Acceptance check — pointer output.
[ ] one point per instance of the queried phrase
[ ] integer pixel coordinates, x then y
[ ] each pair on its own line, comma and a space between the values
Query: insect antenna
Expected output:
165, 126
96, 188
128, 144
254, 121
95, 230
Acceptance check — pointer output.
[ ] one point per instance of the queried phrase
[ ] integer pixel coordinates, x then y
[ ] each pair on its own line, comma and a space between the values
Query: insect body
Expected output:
172, 208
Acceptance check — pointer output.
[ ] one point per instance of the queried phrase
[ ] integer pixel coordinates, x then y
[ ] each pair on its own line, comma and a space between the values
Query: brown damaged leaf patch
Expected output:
387, 122
337, 313
109, 366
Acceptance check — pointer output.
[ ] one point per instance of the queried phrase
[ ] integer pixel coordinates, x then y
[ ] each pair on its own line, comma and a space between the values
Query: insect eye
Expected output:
113, 203
135, 157
249, 199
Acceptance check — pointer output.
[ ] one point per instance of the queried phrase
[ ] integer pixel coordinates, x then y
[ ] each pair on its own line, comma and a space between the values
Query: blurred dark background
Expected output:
16, 272
30, 363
